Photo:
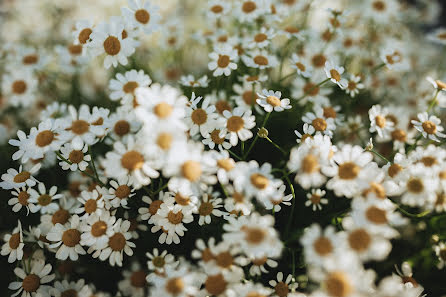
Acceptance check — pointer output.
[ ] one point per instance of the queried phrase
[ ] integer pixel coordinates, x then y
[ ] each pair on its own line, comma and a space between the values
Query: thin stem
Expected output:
257, 136
82, 172
434, 100
379, 155
418, 215
376, 68
276, 145
160, 189
414, 144
235, 155
92, 163
224, 190
287, 76
285, 174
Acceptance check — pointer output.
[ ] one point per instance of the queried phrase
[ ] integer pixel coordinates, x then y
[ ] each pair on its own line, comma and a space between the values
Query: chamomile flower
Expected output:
334, 73
35, 282
279, 198
249, 10
271, 100
316, 199
119, 193
301, 66
308, 131
77, 156
190, 81
238, 124
21, 178
20, 199
254, 235
142, 14
171, 219
319, 245
82, 31
107, 38
123, 86
43, 201
66, 238
200, 119
159, 261
429, 126
19, 88
148, 213
354, 85
282, 287
224, 60
96, 229
261, 39
118, 244
129, 160
13, 245
379, 123
260, 59
319, 121
208, 207
217, 9
213, 140
91, 202
175, 282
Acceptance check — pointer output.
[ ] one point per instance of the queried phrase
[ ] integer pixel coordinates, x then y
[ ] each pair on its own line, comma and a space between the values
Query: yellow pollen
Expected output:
112, 46
163, 110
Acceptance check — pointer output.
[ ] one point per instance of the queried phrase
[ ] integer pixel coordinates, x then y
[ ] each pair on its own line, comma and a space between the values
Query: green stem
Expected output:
276, 145
287, 76
434, 100
379, 155
160, 189
92, 163
235, 155
418, 215
376, 68
82, 172
257, 136
285, 174
414, 144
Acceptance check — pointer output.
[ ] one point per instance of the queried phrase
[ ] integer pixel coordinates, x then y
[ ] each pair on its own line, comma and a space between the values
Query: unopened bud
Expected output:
263, 133
369, 145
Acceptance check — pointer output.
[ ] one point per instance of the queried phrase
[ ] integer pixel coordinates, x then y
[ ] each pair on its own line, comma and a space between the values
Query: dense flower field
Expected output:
230, 148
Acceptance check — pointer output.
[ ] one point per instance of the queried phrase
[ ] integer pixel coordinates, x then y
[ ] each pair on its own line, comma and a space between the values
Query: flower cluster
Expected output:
306, 145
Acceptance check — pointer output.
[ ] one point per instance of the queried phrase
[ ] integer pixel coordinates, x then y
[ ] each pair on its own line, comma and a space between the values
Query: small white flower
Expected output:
33, 283
142, 14
429, 126
224, 60
76, 154
124, 85
271, 100
13, 244
301, 66
66, 238
43, 201
334, 73
315, 199
238, 125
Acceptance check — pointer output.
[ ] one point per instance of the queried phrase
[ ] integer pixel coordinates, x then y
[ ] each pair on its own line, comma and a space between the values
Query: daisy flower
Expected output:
66, 239
13, 244
123, 86
315, 199
308, 131
92, 202
122, 124
129, 160
255, 181
261, 39
175, 282
33, 283
147, 213
159, 261
190, 81
420, 187
119, 193
379, 122
249, 289
82, 31
142, 14
406, 276
279, 198
220, 282
107, 38
209, 206
247, 11
319, 245
96, 230
83, 126
363, 243
224, 60
170, 218
350, 165
43, 201
213, 140
134, 281
76, 154
318, 120
21, 178
237, 203
65, 209
334, 73
301, 66
225, 165
19, 88
200, 119
20, 199
162, 105
118, 243
429, 126
260, 265
217, 9
260, 59
438, 36
64, 288
44, 139
270, 101
354, 85
309, 91
254, 234
283, 287
238, 124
